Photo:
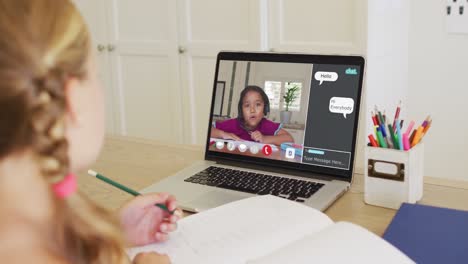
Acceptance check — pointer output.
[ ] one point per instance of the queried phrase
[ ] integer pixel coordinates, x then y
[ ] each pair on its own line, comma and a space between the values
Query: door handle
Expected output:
182, 50
101, 47
110, 48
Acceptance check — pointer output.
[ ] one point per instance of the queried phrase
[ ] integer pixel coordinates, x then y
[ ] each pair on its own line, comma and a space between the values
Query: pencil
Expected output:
417, 136
427, 127
397, 115
124, 188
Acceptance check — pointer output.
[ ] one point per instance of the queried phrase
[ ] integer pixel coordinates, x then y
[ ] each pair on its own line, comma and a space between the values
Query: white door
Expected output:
317, 26
145, 65
95, 14
207, 27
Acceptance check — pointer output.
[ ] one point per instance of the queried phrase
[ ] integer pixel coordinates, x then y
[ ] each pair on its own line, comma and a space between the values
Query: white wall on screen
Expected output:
225, 75
284, 72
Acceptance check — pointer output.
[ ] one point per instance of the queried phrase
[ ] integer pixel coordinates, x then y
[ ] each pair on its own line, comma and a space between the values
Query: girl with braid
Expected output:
51, 127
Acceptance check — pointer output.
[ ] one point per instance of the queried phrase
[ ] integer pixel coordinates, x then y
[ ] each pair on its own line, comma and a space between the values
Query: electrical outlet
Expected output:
456, 12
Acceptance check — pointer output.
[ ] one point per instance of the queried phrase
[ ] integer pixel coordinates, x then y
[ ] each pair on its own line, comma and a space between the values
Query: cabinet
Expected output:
158, 56
136, 46
317, 26
95, 15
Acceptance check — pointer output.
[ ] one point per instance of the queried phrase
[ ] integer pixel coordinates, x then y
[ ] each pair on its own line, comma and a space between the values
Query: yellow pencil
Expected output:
427, 126
417, 136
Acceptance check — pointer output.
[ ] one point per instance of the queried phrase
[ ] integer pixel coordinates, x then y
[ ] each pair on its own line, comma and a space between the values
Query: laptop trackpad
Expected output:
214, 199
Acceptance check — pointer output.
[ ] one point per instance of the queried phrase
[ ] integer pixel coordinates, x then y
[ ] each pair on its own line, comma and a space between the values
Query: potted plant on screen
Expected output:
289, 97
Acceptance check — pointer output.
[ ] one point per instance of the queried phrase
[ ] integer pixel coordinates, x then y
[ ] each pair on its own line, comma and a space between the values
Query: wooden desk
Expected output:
139, 163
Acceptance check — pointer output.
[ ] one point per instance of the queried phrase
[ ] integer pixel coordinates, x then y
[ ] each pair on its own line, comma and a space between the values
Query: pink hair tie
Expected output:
66, 187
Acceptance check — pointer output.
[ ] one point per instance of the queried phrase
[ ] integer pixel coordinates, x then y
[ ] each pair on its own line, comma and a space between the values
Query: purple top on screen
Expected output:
266, 127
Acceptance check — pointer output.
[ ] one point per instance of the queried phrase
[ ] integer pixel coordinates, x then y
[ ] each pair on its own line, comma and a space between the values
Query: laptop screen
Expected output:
286, 110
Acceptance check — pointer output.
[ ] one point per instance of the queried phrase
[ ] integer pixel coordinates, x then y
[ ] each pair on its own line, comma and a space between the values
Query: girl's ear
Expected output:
74, 101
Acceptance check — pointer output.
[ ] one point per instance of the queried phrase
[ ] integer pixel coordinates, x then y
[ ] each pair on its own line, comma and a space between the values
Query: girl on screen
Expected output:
251, 123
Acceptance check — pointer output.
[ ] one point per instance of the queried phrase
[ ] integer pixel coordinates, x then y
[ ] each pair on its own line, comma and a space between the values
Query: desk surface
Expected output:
139, 163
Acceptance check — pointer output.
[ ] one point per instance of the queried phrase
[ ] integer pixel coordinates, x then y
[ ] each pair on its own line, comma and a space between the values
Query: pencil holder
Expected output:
393, 176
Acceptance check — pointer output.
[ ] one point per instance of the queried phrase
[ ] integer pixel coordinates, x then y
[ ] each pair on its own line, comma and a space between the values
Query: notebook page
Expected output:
338, 243
239, 231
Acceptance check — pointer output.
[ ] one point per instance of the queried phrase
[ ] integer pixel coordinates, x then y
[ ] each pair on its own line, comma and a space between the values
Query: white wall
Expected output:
387, 57
438, 85
412, 58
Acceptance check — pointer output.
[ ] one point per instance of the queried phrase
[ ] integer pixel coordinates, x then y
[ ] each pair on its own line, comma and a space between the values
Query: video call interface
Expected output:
295, 112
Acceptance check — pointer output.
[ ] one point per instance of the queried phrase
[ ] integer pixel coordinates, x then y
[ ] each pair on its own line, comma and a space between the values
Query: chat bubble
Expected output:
326, 76
341, 105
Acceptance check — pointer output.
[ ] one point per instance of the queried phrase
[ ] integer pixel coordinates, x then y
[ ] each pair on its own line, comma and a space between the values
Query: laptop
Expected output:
279, 124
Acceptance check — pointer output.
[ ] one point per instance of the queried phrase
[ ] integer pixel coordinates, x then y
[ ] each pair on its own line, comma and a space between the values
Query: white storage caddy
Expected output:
393, 176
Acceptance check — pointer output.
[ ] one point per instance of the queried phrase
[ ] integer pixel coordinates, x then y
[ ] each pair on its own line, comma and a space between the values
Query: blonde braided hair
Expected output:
43, 43
48, 124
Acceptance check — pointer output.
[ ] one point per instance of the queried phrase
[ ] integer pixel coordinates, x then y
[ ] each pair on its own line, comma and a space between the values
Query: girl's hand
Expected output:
151, 258
144, 223
233, 136
257, 136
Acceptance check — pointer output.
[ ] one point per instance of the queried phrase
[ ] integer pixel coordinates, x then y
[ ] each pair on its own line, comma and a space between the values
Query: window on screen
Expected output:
277, 89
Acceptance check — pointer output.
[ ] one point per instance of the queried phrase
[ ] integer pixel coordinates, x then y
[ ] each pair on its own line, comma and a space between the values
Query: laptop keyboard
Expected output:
256, 183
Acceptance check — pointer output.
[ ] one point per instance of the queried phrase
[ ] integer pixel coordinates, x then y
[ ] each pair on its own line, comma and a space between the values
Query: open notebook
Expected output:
268, 229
